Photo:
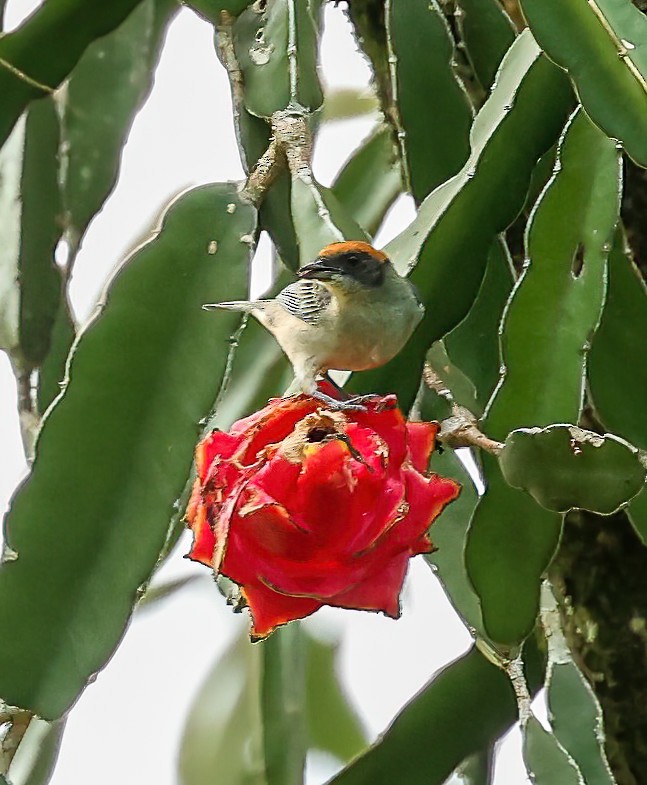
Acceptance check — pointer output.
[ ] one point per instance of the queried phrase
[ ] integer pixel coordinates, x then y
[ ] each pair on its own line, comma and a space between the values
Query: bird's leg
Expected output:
344, 396
307, 380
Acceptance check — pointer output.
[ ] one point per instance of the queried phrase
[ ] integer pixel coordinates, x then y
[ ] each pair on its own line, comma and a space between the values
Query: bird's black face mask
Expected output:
360, 266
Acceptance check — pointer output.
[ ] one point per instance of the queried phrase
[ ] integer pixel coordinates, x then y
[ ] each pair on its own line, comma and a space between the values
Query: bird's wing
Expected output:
307, 300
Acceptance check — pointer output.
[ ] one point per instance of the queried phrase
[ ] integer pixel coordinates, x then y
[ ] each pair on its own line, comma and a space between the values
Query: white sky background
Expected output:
127, 726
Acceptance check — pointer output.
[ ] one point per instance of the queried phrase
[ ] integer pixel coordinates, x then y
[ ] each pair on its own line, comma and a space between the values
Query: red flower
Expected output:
303, 506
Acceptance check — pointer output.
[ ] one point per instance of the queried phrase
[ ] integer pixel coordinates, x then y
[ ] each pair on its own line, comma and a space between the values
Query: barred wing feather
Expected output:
307, 300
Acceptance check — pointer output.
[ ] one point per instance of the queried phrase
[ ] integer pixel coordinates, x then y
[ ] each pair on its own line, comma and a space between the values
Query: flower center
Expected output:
319, 433
314, 428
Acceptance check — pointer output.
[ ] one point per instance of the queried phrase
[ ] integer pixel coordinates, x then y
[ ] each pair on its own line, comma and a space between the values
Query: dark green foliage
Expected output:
51, 373
603, 47
480, 328
487, 32
370, 181
427, 89
332, 723
211, 10
543, 756
451, 248
449, 537
576, 720
104, 91
616, 368
467, 705
563, 466
113, 455
48, 46
68, 153
40, 281
549, 320
262, 37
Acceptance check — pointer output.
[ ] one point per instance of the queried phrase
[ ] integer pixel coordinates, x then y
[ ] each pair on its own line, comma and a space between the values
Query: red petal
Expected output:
221, 475
340, 501
278, 478
194, 502
379, 592
317, 579
222, 524
343, 502
426, 498
334, 496
264, 542
216, 443
270, 608
371, 511
203, 539
332, 529
435, 490
373, 450
388, 424
265, 531
323, 491
246, 561
243, 425
421, 438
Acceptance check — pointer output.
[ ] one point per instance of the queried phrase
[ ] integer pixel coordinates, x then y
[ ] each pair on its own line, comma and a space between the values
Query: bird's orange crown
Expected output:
350, 246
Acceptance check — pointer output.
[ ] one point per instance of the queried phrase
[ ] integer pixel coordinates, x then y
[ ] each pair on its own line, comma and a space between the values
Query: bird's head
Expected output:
350, 266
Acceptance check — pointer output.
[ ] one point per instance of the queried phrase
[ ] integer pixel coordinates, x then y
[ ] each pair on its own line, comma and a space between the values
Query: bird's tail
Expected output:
236, 305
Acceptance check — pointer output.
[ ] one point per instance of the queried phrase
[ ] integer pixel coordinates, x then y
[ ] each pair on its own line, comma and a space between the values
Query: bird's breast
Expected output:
370, 337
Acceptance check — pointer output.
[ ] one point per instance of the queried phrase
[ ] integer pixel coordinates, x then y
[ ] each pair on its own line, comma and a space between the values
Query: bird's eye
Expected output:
352, 259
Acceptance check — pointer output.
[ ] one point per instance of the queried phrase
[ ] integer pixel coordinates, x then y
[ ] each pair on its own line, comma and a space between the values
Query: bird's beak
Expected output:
319, 269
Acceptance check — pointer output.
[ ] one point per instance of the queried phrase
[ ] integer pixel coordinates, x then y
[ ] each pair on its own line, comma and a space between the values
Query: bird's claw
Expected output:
362, 399
353, 404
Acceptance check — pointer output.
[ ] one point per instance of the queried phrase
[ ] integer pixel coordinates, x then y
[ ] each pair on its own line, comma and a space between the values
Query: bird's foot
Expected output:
353, 404
362, 399
381, 403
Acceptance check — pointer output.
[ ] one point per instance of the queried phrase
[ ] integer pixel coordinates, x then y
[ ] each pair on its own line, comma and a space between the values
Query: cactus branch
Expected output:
392, 108
291, 145
265, 172
292, 132
227, 56
459, 430
514, 669
291, 141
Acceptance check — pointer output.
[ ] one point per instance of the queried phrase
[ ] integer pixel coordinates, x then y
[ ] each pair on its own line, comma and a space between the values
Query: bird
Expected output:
349, 310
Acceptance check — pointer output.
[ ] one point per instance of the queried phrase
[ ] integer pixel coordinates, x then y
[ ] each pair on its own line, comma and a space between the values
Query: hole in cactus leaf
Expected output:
578, 261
